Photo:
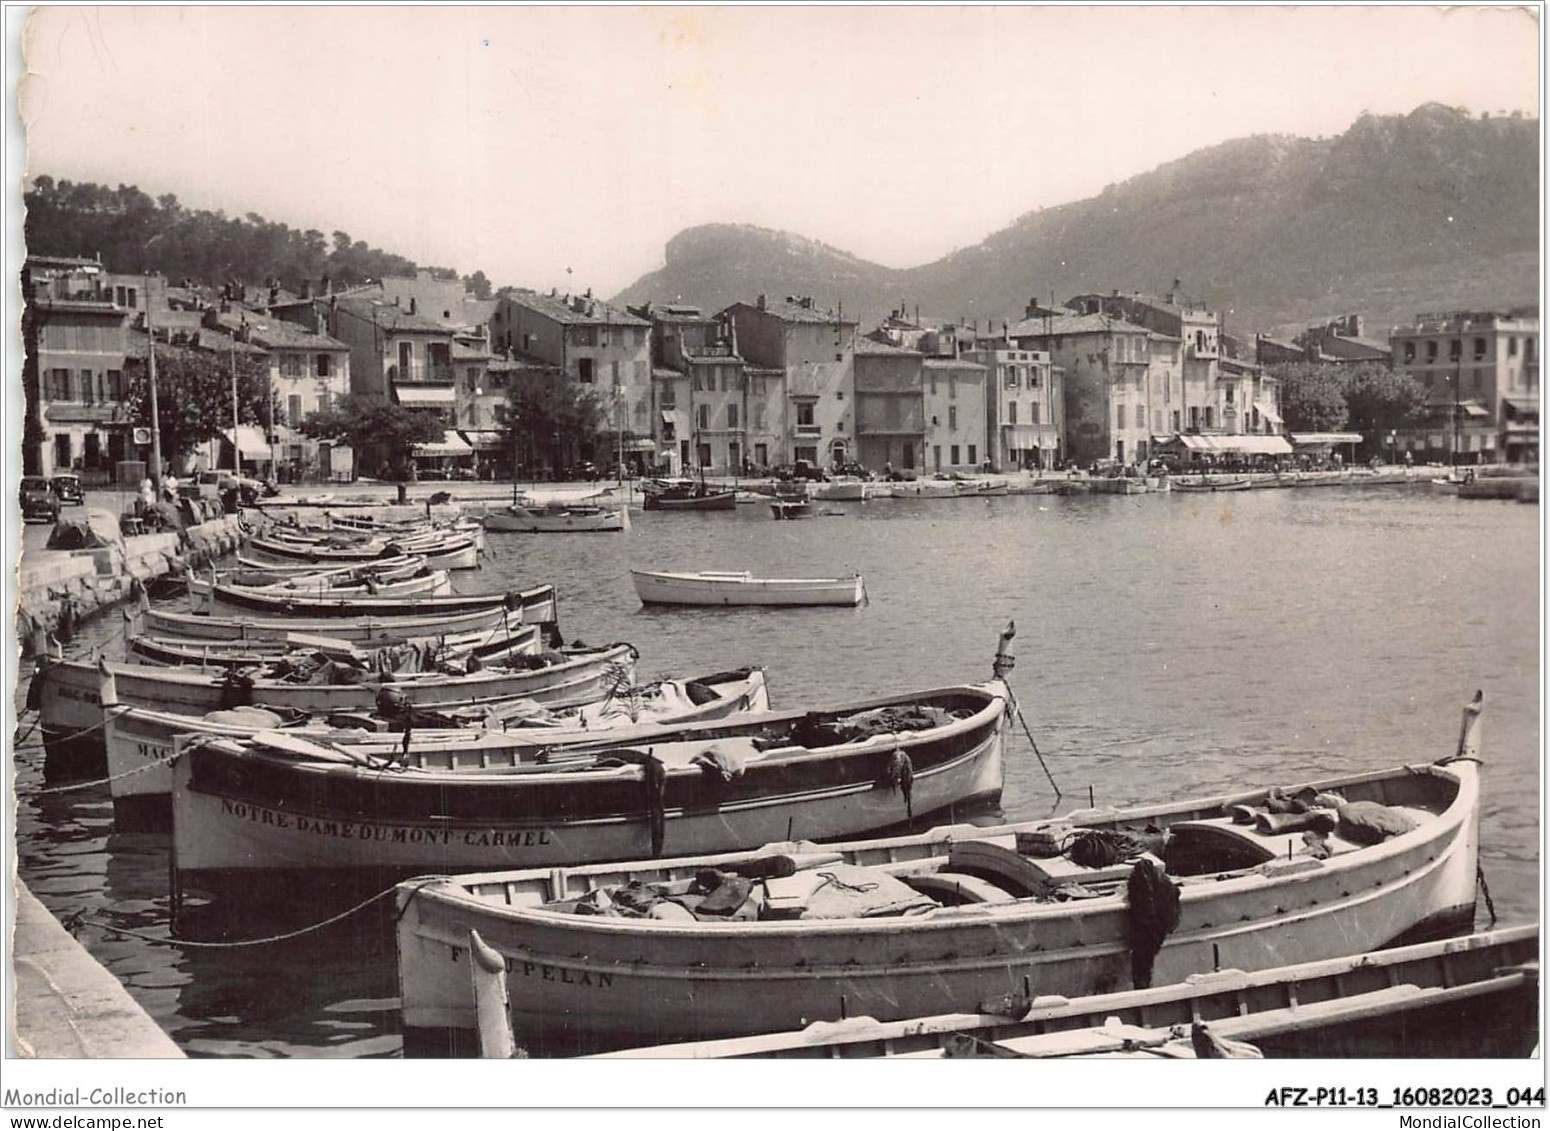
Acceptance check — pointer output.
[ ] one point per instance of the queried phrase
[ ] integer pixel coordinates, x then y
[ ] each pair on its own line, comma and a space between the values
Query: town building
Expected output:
73, 334
593, 344
814, 350
954, 406
309, 372
701, 415
1105, 363
890, 407
1480, 370
1024, 407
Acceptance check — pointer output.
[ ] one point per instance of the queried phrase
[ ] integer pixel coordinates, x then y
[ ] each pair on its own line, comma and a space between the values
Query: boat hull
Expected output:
714, 501
741, 590
231, 815
608, 983
517, 520
71, 711
854, 491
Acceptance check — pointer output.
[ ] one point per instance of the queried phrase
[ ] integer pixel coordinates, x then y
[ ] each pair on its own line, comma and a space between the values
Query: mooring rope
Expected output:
79, 920
1011, 699
1485, 889
165, 760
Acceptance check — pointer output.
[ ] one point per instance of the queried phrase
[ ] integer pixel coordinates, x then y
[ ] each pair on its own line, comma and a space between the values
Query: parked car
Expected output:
210, 484
585, 471
38, 501
801, 469
854, 469
67, 489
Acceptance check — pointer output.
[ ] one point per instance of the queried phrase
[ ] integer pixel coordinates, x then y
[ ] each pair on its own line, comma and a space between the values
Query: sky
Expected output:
565, 146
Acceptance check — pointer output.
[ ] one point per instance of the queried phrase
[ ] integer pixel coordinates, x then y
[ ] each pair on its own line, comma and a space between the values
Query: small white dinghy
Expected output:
740, 587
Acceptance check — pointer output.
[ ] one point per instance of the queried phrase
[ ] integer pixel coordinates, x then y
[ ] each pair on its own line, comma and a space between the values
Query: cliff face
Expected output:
1398, 214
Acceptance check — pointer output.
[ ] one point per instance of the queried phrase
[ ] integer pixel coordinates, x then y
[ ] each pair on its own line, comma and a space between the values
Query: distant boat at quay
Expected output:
741, 587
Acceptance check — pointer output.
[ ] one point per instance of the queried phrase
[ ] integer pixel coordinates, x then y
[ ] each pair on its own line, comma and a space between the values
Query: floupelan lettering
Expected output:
385, 834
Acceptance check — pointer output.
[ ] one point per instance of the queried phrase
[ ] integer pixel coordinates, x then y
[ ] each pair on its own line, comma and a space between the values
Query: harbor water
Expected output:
1166, 646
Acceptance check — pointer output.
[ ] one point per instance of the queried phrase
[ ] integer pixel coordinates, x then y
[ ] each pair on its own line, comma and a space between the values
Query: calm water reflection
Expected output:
1166, 646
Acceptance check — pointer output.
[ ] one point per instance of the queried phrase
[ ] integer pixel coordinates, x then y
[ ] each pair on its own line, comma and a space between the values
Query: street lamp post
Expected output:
150, 334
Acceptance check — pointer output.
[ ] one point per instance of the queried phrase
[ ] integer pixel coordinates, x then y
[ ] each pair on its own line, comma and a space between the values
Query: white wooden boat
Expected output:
141, 741
71, 712
985, 488
557, 519
943, 921
686, 495
740, 587
380, 568
1117, 485
429, 583
458, 551
1207, 483
842, 489
538, 607
700, 787
235, 600
1468, 997
790, 507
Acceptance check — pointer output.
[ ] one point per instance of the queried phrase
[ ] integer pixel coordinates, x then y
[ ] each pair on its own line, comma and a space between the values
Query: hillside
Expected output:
1433, 209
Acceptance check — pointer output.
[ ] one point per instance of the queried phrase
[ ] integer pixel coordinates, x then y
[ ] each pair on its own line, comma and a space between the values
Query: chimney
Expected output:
761, 302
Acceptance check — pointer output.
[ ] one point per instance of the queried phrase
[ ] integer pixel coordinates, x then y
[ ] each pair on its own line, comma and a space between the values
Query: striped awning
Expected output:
428, 395
451, 445
250, 441
1239, 445
484, 441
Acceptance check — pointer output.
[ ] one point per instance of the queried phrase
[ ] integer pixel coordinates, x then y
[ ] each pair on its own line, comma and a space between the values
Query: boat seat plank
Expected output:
958, 886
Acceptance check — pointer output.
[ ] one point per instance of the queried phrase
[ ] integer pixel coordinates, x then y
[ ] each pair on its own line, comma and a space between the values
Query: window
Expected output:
640, 373
1140, 417
1528, 349
1228, 392
115, 386
1119, 416
1208, 416
804, 414
1455, 349
1431, 351
58, 384
933, 384
936, 456
324, 365
1009, 376
1011, 412
1512, 347
1194, 417
972, 456
731, 416
471, 379
293, 409
584, 370
953, 453
1157, 421
1033, 413
761, 454
87, 391
1479, 348
669, 397
952, 387
291, 366
586, 336
325, 402
613, 367
473, 414
704, 419
952, 418
758, 416
669, 432
1175, 420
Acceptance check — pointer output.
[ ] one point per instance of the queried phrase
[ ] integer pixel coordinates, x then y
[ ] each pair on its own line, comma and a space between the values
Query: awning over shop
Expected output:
640, 445
451, 445
1325, 439
424, 395
1474, 408
250, 442
1239, 445
1268, 411
484, 441
667, 417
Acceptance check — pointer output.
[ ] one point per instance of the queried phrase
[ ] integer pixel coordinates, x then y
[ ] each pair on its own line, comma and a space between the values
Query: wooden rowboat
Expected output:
790, 507
943, 921
700, 787
709, 587
440, 552
70, 700
429, 583
557, 519
141, 741
241, 599
1210, 483
1474, 996
380, 568
684, 495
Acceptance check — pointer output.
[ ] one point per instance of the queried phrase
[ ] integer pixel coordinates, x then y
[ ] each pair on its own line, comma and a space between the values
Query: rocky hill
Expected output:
1433, 209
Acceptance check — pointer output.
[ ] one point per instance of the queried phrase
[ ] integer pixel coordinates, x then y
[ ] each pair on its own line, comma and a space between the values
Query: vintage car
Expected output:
37, 500
67, 489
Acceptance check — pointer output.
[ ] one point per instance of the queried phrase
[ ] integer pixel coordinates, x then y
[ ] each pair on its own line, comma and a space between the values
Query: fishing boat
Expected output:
790, 507
538, 606
686, 495
341, 583
944, 921
986, 488
69, 697
1475, 996
1117, 485
240, 599
141, 742
699, 787
488, 644
458, 551
842, 489
741, 587
380, 568
556, 518
1200, 483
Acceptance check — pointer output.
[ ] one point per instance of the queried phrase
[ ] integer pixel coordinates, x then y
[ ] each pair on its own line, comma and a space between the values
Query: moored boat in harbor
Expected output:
740, 587
943, 921
556, 518
699, 787
686, 495
1464, 997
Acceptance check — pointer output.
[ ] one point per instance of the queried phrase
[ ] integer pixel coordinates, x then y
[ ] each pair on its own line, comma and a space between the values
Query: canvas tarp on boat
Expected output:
89, 530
